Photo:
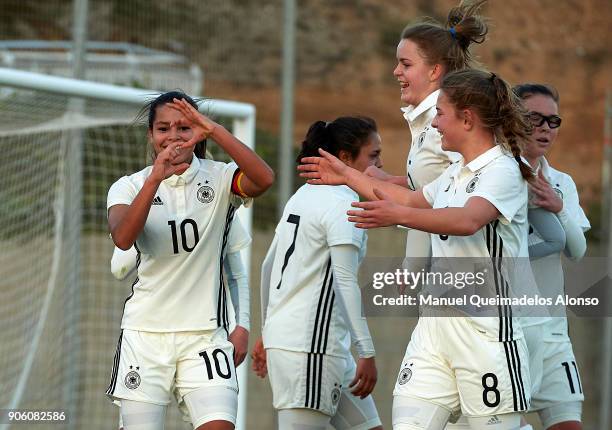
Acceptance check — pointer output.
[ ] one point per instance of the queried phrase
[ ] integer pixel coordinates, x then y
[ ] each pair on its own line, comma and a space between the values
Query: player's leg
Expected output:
410, 413
353, 412
562, 416
301, 419
492, 376
302, 380
425, 393
206, 380
462, 423
142, 415
559, 401
141, 379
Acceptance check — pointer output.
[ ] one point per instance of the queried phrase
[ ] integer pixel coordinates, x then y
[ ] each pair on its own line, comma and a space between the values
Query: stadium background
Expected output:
345, 56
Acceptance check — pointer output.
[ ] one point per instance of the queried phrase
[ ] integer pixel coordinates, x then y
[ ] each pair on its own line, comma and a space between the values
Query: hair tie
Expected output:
518, 159
493, 76
453, 32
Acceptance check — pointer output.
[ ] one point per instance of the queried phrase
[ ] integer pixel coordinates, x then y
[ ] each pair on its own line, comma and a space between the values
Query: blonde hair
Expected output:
449, 44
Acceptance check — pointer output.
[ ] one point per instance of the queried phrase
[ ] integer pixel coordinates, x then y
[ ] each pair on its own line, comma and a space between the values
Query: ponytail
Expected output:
316, 137
347, 134
515, 127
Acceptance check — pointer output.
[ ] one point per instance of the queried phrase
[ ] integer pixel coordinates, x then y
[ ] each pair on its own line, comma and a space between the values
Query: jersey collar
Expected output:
412, 112
485, 158
543, 164
185, 177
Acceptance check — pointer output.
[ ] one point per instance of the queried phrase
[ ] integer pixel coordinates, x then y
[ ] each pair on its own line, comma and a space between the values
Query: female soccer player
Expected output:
124, 263
311, 303
476, 208
558, 394
178, 213
426, 52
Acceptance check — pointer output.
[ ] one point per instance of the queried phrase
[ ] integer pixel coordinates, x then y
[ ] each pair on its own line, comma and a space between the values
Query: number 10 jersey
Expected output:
181, 248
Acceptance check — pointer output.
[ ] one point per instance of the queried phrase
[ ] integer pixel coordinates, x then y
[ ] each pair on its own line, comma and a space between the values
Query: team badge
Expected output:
404, 376
471, 186
206, 194
132, 379
335, 396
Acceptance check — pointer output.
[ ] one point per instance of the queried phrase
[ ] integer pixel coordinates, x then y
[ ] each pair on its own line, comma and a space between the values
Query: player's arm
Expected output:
126, 221
345, 264
329, 170
378, 173
260, 365
266, 275
574, 226
257, 175
456, 221
550, 230
239, 291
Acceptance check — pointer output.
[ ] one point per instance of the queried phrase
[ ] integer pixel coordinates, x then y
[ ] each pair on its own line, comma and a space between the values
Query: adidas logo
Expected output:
493, 420
157, 201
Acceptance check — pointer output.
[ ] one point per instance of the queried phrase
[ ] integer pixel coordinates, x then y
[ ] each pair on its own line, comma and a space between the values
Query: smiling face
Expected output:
417, 78
166, 131
543, 136
449, 123
369, 154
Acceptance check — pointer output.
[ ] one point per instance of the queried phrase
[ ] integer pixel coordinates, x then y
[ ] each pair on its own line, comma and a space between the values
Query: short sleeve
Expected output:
239, 238
122, 192
339, 230
503, 186
231, 171
571, 203
430, 191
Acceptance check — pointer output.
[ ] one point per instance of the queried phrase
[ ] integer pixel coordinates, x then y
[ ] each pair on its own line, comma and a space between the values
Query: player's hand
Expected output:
258, 355
323, 170
201, 126
377, 173
239, 337
167, 162
378, 213
365, 378
543, 194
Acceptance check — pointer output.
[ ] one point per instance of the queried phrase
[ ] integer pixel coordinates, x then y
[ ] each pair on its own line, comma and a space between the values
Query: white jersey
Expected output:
180, 282
303, 313
548, 270
494, 176
426, 159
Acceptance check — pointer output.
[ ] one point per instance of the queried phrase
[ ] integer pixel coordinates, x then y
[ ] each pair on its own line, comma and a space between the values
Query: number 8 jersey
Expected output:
181, 247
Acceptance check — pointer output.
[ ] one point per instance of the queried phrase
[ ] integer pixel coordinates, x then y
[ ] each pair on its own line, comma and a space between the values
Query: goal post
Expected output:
60, 307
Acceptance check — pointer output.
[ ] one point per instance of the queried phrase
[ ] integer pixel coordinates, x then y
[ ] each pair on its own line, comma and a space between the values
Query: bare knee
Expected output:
217, 425
566, 425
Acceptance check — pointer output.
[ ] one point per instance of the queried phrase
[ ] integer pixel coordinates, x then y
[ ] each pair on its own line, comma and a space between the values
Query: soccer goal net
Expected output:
63, 143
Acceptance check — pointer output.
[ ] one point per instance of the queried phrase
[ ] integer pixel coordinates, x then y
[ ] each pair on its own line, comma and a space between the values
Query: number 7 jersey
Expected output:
180, 284
302, 313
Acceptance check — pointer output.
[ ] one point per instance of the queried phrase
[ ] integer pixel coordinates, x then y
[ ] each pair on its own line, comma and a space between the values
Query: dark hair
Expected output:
498, 108
149, 110
524, 91
448, 45
346, 133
